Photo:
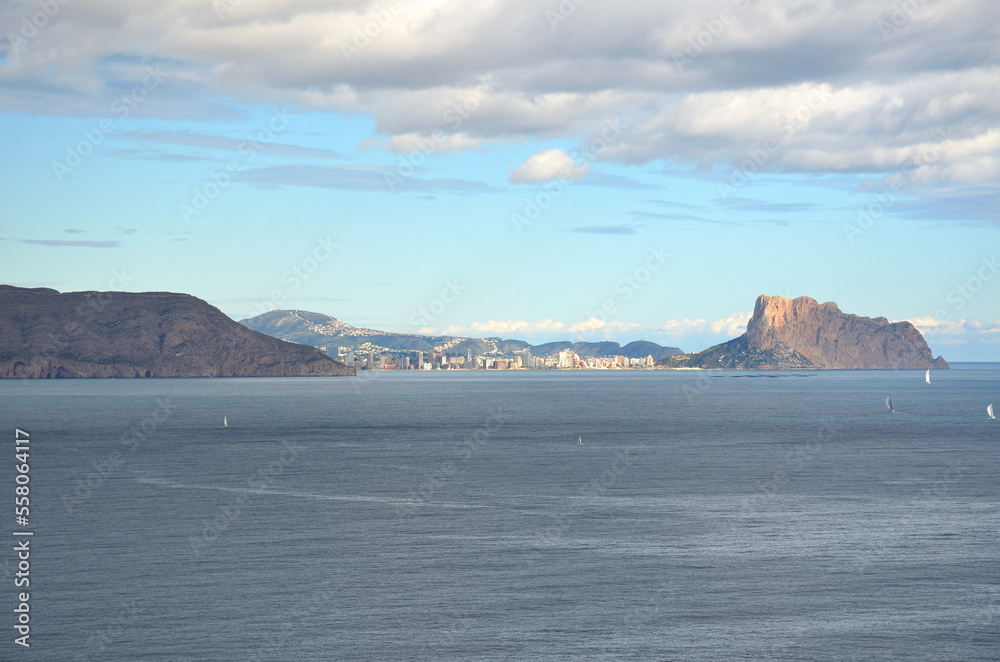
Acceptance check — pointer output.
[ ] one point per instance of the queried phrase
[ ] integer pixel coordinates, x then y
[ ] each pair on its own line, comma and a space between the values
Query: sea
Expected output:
522, 515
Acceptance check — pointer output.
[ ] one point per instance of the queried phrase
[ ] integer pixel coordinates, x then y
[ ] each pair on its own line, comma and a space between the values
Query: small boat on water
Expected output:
225, 422
579, 439
989, 411
927, 376
888, 403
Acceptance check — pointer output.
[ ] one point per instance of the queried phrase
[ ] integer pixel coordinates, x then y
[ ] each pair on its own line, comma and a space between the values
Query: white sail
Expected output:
225, 422
579, 440
888, 404
927, 376
989, 410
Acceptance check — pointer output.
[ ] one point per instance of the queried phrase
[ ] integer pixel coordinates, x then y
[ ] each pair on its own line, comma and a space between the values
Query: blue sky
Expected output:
512, 168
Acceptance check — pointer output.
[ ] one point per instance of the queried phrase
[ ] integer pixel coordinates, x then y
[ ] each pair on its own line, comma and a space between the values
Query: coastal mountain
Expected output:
327, 332
44, 333
801, 333
319, 330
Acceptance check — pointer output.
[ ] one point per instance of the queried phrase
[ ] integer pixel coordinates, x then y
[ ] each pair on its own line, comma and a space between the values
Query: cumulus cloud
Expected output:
731, 326
945, 330
589, 329
604, 328
546, 166
505, 328
821, 87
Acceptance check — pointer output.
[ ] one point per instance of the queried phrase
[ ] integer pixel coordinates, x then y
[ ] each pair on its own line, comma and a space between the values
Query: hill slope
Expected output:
321, 330
156, 334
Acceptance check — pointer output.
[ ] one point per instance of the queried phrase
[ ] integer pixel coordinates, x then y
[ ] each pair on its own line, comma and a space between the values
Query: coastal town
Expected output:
439, 360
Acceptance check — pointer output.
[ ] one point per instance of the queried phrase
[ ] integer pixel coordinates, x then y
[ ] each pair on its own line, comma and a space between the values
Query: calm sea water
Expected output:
707, 516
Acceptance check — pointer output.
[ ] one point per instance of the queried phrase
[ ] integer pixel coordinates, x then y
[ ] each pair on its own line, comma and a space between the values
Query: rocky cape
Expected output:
46, 334
803, 334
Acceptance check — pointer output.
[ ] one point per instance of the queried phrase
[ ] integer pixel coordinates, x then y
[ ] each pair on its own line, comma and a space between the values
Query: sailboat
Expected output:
989, 411
225, 422
927, 376
888, 403
579, 439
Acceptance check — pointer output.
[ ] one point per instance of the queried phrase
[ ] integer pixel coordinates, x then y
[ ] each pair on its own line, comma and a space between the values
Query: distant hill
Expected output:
45, 334
324, 331
319, 330
801, 333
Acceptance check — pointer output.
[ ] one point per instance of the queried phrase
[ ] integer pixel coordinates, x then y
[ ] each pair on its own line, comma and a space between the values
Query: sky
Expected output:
527, 169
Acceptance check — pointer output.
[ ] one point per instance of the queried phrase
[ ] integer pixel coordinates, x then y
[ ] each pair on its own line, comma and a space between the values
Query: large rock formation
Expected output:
156, 334
801, 333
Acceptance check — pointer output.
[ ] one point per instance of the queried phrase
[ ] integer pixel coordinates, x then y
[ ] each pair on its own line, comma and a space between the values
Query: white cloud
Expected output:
594, 325
417, 70
408, 143
730, 327
934, 327
504, 328
546, 166
586, 330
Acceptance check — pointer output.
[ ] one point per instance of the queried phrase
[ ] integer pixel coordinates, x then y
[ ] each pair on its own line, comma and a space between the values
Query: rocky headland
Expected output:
803, 334
47, 334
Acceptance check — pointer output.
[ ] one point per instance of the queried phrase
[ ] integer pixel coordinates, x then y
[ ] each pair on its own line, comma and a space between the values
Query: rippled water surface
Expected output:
707, 516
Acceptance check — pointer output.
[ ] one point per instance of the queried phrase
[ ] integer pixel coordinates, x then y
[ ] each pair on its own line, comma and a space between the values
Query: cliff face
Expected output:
801, 333
119, 334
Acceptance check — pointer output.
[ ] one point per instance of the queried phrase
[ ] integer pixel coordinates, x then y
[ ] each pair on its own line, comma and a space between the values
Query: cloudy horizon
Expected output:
636, 170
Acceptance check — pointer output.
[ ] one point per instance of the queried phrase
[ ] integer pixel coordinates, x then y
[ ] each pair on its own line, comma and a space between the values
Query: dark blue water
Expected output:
708, 516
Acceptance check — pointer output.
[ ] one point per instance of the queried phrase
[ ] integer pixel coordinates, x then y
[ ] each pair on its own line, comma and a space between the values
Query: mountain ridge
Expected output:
321, 330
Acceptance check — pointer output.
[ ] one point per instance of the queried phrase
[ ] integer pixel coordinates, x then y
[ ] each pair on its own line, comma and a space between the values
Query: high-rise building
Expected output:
420, 360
